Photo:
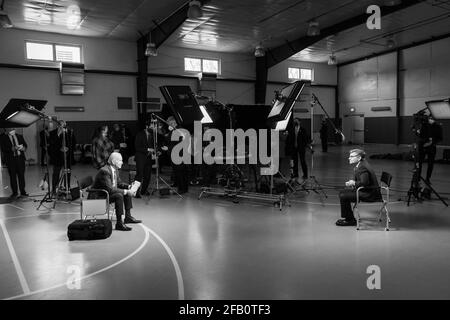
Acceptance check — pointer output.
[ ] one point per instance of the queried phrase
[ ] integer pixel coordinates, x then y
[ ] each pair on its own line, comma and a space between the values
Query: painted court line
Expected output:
89, 275
23, 281
11, 205
174, 262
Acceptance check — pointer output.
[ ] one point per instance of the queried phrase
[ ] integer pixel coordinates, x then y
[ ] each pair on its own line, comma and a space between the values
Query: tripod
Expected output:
414, 189
48, 195
154, 122
63, 182
311, 182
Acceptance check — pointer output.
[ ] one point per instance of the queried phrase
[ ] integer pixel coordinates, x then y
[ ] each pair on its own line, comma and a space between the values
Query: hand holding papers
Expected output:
134, 187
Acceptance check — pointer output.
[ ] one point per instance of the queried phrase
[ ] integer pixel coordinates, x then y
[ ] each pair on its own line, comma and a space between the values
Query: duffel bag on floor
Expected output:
89, 229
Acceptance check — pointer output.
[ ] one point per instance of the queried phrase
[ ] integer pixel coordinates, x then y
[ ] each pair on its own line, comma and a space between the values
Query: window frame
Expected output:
53, 44
219, 69
300, 73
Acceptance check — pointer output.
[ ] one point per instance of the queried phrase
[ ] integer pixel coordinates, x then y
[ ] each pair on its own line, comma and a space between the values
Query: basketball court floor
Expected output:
216, 249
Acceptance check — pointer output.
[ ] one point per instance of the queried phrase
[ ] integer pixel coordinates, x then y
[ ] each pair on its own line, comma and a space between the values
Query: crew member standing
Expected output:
296, 143
144, 150
13, 146
432, 135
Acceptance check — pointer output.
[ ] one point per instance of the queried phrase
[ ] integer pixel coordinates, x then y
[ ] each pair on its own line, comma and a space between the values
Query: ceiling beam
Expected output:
283, 52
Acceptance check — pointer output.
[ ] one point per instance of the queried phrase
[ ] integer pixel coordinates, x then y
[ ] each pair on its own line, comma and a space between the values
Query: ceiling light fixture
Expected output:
313, 28
391, 3
260, 51
390, 43
195, 10
332, 61
150, 50
5, 22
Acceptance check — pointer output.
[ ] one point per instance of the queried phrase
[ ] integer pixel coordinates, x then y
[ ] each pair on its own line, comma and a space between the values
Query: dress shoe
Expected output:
121, 227
24, 194
13, 196
345, 223
131, 219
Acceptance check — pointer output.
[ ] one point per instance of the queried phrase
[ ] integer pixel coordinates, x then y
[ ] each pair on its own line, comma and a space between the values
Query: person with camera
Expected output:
431, 135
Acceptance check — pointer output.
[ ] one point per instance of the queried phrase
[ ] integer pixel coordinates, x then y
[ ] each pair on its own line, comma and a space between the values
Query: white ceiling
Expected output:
236, 25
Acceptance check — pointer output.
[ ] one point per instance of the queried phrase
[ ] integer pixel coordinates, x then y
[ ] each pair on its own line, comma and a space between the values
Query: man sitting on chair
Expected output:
364, 177
108, 179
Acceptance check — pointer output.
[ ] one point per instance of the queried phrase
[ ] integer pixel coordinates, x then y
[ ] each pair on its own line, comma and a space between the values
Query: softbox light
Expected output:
21, 113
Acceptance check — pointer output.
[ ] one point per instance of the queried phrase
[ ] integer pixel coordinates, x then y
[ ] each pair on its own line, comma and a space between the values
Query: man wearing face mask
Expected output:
296, 143
433, 135
364, 176
144, 150
13, 146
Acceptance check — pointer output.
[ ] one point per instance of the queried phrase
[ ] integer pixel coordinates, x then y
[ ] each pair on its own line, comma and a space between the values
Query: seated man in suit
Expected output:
108, 178
364, 177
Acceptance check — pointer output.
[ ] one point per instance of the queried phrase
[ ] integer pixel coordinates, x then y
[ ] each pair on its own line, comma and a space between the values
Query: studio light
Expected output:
5, 22
259, 51
332, 60
150, 50
313, 28
195, 10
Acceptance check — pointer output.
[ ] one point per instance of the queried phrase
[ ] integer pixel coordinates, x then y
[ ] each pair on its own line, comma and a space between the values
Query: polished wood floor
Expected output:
216, 249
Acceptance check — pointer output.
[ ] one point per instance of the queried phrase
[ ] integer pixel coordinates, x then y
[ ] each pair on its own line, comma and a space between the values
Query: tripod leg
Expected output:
434, 191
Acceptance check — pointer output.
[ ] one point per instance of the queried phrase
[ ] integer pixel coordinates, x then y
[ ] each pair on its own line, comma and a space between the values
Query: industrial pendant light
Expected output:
195, 10
260, 51
332, 60
150, 50
313, 28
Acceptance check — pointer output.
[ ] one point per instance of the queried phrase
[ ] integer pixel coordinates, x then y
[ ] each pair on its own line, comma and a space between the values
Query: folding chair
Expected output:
93, 207
386, 179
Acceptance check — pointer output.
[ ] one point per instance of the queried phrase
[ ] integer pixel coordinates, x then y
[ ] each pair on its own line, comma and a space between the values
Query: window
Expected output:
201, 65
53, 52
300, 74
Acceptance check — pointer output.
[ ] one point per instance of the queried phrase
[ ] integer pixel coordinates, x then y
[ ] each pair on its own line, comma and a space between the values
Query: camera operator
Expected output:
430, 134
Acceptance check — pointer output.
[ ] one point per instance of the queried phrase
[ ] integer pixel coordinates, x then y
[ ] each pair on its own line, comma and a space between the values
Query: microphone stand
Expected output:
154, 121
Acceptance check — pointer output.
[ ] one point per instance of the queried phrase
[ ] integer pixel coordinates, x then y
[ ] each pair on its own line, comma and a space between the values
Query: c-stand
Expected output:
154, 121
64, 181
48, 195
311, 182
414, 189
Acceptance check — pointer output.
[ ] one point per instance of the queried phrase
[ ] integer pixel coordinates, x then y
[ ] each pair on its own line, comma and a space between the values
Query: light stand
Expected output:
154, 121
48, 195
311, 182
64, 173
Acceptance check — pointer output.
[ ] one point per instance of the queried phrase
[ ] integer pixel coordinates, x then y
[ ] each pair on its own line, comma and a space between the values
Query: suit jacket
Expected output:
55, 145
366, 177
6, 147
303, 140
104, 180
142, 144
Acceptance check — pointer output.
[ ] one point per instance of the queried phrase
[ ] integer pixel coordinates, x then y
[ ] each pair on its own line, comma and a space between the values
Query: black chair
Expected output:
386, 179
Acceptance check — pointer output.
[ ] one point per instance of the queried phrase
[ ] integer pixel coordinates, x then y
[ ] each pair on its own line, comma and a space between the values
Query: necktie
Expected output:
15, 144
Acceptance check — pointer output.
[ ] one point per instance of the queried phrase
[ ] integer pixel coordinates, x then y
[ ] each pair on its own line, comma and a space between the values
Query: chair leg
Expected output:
388, 219
358, 217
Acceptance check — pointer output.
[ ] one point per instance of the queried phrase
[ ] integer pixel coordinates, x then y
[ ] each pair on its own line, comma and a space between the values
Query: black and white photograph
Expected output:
199, 151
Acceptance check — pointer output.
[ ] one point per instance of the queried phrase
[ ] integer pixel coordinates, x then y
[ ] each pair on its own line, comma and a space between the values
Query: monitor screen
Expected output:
439, 109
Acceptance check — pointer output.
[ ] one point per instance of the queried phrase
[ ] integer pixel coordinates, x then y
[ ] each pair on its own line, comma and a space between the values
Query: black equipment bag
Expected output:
87, 229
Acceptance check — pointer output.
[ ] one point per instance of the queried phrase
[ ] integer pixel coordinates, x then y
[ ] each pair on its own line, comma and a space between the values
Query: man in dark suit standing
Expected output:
13, 147
144, 150
120, 194
364, 177
296, 143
